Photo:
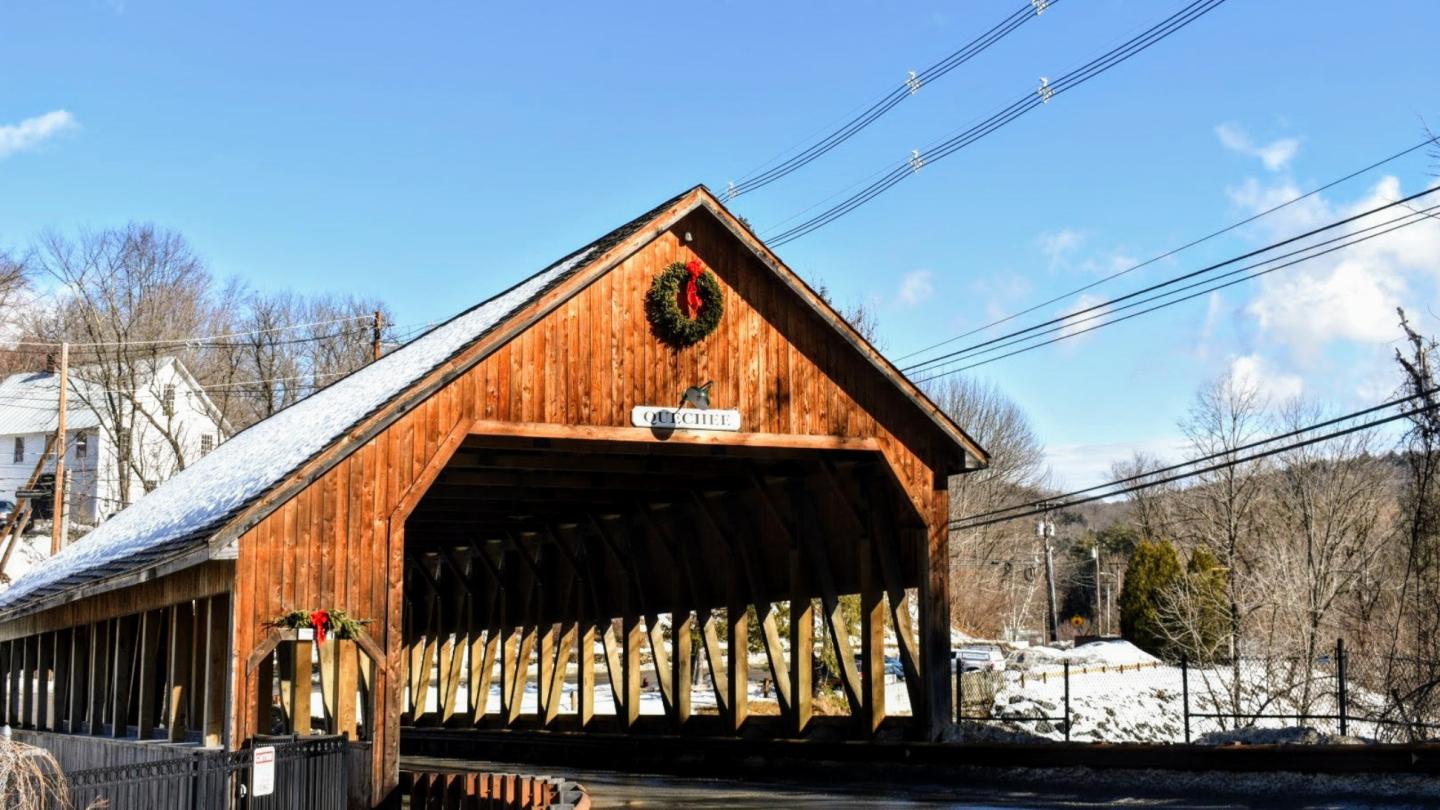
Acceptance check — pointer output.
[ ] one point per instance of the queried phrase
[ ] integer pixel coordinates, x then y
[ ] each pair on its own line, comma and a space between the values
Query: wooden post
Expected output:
585, 673
60, 692
77, 691
737, 663
347, 676
44, 658
802, 645
5, 681
61, 516
150, 685
27, 687
100, 646
682, 626
376, 331
302, 687
124, 660
217, 671
632, 637
932, 549
872, 635
182, 622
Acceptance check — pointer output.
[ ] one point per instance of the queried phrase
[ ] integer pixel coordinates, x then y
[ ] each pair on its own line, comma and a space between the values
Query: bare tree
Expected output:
1222, 508
1152, 508
996, 567
131, 297
1325, 535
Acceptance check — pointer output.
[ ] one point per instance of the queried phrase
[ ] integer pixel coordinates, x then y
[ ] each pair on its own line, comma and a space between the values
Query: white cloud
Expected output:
1276, 154
915, 288
1083, 465
32, 132
1350, 294
1056, 245
1089, 319
1254, 371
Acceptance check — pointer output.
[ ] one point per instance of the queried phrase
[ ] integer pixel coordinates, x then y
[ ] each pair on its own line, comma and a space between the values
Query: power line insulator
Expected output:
915, 160
1046, 91
729, 192
1040, 6
913, 82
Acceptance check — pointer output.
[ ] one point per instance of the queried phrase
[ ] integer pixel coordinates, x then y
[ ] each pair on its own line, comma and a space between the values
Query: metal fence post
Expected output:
1185, 692
1340, 675
959, 691
1067, 700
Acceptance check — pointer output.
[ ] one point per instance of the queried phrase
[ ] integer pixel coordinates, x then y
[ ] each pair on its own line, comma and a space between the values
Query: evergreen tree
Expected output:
1152, 574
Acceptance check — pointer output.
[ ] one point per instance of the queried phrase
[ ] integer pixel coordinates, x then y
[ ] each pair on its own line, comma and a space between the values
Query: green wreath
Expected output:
670, 297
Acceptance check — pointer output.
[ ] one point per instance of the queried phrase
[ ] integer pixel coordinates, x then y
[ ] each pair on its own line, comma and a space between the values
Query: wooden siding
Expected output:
583, 359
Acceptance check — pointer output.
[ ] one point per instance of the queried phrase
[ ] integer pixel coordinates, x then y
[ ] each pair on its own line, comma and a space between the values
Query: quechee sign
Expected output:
662, 418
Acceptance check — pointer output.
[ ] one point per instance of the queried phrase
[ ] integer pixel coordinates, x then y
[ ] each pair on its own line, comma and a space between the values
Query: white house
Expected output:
115, 450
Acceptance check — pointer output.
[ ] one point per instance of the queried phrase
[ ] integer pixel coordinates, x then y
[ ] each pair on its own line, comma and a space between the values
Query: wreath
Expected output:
684, 304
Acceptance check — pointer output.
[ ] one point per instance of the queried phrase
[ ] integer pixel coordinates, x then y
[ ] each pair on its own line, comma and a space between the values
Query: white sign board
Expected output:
658, 418
262, 771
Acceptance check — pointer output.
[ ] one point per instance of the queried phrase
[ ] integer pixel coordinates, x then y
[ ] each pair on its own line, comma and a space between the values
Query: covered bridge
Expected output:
664, 436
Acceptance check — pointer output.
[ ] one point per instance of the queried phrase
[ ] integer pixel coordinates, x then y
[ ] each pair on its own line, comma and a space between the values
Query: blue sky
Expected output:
434, 154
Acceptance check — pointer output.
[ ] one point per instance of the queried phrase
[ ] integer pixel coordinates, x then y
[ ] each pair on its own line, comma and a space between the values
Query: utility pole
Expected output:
375, 334
58, 527
1099, 606
1046, 530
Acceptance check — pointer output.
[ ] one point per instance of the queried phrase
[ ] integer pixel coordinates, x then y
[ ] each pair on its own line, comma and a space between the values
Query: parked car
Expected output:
979, 659
6, 507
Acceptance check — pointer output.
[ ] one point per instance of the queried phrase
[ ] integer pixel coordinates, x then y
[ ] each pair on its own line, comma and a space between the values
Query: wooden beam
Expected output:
100, 646
872, 636
44, 670
802, 644
217, 669
302, 686
126, 631
77, 691
737, 662
182, 625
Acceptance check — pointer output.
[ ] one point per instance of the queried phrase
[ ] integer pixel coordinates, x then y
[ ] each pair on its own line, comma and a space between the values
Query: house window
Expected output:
207, 443
19, 450
82, 445
168, 403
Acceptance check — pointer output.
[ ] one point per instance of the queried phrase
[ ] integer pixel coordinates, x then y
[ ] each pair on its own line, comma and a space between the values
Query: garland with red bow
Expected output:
684, 304
325, 623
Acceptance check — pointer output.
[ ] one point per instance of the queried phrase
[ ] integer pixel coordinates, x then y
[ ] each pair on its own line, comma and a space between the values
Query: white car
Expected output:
979, 659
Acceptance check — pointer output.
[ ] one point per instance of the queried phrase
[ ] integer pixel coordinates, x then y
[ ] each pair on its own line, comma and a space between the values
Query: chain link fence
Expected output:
1331, 697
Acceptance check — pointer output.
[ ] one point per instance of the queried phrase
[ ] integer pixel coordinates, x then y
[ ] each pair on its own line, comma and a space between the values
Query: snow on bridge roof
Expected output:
185, 511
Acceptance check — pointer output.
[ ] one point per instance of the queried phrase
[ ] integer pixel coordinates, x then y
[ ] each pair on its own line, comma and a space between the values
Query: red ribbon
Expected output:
319, 620
692, 293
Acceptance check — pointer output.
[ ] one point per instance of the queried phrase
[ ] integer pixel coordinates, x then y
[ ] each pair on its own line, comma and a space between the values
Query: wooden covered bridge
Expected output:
510, 522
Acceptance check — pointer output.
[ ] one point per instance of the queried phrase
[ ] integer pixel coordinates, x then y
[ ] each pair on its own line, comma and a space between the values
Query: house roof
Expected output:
184, 512
28, 405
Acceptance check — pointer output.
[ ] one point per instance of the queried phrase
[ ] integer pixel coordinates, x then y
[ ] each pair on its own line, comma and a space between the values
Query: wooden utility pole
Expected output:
1046, 530
375, 335
57, 531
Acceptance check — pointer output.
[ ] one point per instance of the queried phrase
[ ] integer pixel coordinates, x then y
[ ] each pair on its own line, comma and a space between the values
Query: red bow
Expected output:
692, 293
320, 620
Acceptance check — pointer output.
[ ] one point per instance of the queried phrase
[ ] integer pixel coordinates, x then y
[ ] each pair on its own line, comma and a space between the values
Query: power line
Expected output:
1069, 332
1173, 251
906, 89
1046, 92
1069, 499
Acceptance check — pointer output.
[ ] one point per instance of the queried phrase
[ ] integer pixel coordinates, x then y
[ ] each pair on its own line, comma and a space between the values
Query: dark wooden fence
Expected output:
474, 790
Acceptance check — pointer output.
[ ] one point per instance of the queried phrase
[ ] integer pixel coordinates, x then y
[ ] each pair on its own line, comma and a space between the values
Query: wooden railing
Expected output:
463, 790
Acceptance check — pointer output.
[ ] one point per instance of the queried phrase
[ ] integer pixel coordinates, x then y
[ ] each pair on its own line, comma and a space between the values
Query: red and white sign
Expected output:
262, 771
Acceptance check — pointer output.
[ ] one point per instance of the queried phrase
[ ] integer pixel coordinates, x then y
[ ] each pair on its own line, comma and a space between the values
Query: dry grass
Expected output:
30, 778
